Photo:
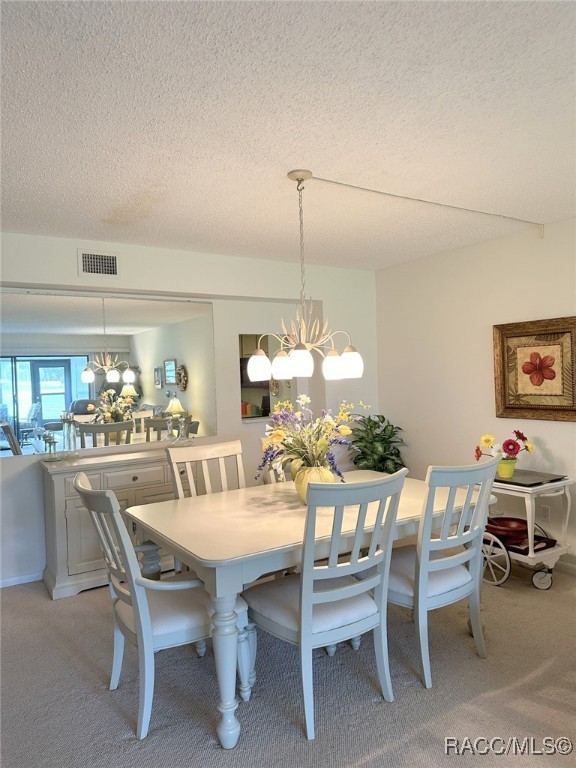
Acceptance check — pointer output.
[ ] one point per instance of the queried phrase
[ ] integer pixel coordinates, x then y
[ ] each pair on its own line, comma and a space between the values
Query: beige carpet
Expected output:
57, 711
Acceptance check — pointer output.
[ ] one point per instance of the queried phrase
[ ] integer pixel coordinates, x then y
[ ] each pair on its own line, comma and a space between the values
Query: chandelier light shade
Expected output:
305, 334
107, 363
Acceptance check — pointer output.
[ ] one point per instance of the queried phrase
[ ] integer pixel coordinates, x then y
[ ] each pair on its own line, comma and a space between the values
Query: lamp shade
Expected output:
332, 365
87, 376
129, 377
259, 366
302, 361
352, 363
282, 366
128, 390
174, 406
113, 375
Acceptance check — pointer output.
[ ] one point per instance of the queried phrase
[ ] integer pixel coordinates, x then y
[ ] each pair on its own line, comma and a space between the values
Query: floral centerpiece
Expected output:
113, 407
508, 450
297, 436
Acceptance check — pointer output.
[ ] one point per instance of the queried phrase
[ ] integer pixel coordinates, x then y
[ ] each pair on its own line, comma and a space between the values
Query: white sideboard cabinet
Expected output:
73, 557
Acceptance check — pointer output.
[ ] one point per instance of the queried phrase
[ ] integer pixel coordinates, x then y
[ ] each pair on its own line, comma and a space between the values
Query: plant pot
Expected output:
311, 475
506, 468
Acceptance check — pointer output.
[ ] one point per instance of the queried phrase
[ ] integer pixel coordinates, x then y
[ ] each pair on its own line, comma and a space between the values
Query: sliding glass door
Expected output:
34, 390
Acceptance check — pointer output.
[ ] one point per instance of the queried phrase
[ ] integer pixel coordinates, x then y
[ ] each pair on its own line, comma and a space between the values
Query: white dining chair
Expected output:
153, 615
160, 427
325, 604
113, 432
198, 469
11, 438
445, 565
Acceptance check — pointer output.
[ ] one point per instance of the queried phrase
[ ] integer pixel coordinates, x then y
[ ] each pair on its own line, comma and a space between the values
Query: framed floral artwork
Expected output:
534, 369
158, 378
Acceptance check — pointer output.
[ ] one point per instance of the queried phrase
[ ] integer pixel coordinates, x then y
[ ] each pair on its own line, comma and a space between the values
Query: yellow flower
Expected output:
487, 441
529, 446
344, 430
276, 437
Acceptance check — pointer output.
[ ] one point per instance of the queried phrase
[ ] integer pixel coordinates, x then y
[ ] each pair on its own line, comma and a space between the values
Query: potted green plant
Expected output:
375, 444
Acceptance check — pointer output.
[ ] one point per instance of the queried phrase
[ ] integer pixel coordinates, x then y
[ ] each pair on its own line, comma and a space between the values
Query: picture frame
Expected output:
169, 371
535, 369
158, 377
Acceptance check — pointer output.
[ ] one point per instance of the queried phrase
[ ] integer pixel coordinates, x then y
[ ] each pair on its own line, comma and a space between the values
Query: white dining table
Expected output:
232, 538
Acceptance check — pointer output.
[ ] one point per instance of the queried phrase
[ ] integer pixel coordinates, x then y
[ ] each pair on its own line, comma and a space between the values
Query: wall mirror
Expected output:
258, 397
48, 337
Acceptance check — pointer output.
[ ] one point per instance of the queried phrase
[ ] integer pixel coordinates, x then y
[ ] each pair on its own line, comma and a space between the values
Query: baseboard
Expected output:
20, 580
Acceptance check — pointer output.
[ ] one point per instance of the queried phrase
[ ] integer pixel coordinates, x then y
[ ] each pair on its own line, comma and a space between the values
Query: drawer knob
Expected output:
182, 472
134, 478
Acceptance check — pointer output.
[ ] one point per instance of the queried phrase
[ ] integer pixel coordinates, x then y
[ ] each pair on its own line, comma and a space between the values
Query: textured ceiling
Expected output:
174, 123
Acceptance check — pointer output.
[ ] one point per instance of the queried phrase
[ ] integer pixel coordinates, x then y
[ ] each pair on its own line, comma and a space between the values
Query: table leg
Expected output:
225, 644
530, 517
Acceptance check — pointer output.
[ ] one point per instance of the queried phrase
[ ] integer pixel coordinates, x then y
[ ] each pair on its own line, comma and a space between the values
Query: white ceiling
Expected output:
174, 123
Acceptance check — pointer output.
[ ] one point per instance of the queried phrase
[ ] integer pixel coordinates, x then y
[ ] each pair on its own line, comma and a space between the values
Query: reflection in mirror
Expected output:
258, 397
170, 371
48, 338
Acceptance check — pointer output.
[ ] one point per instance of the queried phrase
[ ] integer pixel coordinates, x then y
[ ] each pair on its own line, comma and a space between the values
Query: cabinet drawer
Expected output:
134, 477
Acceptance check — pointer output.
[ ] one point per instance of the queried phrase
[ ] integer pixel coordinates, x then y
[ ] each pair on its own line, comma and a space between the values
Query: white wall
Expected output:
435, 372
249, 296
190, 343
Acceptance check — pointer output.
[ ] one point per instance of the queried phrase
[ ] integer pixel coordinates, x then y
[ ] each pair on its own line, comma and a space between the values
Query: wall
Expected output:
435, 371
190, 343
249, 296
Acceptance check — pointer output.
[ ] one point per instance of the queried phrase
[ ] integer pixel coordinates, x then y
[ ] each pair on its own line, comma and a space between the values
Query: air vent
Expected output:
101, 264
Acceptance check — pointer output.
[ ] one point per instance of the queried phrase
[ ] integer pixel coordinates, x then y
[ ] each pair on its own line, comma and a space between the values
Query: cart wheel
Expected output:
496, 560
542, 579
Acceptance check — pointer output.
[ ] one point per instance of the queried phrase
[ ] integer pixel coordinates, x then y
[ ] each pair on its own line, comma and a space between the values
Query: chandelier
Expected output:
305, 334
107, 363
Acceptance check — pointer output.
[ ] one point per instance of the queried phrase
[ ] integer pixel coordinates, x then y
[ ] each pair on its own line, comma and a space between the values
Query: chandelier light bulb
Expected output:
282, 366
87, 376
302, 361
332, 366
113, 375
259, 366
352, 363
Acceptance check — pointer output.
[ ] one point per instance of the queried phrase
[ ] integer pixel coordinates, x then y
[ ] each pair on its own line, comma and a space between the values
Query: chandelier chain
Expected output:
302, 269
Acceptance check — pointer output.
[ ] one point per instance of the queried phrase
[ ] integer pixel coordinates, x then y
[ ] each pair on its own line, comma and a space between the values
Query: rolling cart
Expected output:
536, 548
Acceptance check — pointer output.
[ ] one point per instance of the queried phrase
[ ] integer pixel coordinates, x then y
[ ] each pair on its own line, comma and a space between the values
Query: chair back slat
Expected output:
156, 427
206, 468
361, 518
121, 430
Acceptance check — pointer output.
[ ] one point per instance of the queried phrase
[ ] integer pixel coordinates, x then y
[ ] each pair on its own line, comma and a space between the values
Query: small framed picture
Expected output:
534, 369
158, 378
169, 371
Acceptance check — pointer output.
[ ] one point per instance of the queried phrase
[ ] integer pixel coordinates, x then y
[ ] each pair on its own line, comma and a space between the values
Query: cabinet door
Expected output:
84, 553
